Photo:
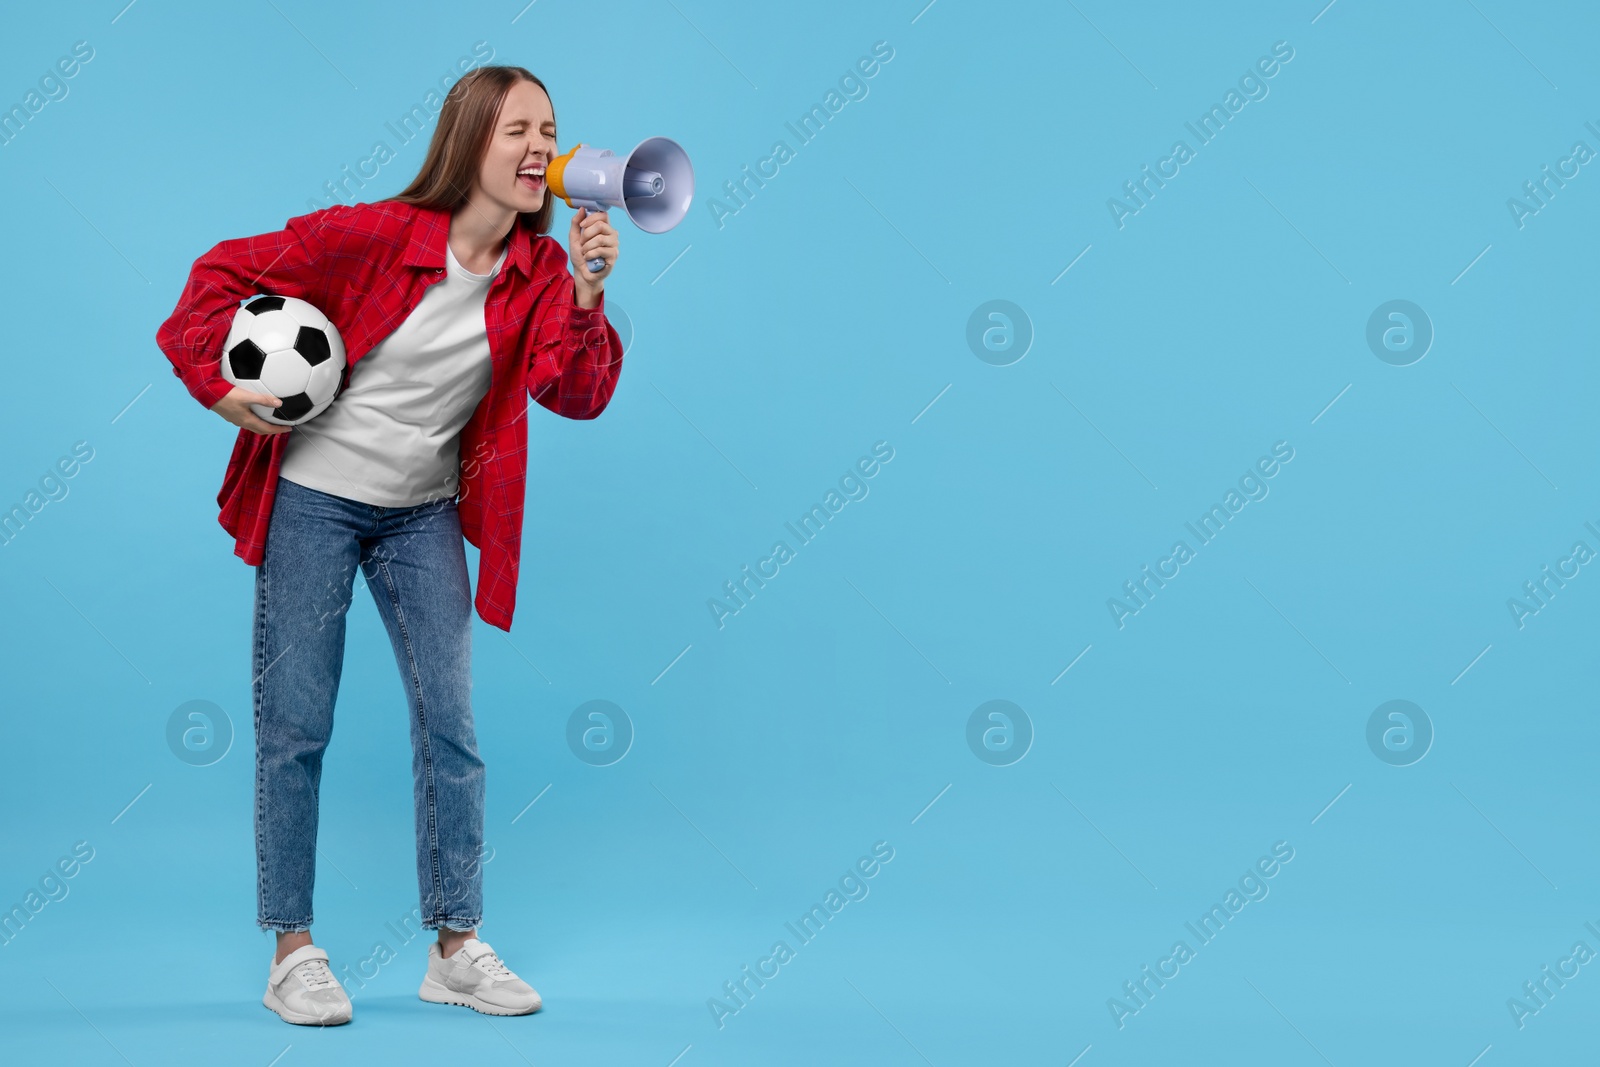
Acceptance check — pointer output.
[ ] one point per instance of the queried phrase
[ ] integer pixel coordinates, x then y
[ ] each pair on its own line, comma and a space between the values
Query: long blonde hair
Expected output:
460, 140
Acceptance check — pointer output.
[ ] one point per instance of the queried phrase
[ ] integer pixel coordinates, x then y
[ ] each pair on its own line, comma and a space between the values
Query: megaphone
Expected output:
654, 184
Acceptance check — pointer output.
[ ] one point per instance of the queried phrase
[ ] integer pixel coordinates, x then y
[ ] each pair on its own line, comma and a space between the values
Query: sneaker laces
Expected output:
493, 966
315, 974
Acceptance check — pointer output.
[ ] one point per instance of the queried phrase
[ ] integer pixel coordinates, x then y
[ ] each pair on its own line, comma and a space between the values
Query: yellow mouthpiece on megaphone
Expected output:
555, 171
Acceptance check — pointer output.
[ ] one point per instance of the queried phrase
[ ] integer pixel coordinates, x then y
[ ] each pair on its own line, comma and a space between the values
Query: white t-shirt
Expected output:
393, 437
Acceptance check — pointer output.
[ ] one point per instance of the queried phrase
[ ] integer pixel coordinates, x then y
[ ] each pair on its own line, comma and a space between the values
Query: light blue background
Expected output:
823, 317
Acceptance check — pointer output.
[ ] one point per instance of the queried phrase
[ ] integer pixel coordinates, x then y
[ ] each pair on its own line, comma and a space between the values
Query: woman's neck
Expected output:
478, 235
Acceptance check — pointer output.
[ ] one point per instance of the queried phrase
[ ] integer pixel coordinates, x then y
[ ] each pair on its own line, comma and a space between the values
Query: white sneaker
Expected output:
302, 990
475, 978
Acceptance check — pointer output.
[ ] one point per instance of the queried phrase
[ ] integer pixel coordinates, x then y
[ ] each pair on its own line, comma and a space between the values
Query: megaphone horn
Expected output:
654, 184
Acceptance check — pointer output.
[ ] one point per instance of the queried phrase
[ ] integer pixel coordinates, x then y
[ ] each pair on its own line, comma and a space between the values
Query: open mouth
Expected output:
531, 177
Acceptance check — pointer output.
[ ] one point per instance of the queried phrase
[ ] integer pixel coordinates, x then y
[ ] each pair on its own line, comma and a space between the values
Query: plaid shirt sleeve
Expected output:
581, 347
286, 262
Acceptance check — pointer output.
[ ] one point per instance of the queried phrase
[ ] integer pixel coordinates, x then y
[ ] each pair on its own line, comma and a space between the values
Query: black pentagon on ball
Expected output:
293, 408
246, 359
263, 304
312, 344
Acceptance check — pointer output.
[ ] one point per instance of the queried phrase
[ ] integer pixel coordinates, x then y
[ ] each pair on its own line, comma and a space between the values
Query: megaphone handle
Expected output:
597, 264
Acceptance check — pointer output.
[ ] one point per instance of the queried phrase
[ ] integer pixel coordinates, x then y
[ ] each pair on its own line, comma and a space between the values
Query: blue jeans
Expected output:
415, 565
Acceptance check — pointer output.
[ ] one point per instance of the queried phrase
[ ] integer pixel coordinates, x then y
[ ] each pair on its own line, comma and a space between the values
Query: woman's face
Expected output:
524, 138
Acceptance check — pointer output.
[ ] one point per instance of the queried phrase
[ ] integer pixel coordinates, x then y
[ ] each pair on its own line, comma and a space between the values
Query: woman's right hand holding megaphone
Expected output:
590, 237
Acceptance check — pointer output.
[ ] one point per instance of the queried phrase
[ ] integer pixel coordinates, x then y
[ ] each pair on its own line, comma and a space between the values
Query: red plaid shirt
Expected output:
366, 266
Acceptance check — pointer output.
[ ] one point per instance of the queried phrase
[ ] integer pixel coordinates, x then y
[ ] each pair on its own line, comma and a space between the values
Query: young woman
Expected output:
455, 308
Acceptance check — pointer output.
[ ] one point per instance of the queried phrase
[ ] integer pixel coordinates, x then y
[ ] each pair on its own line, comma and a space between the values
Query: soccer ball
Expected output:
284, 347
